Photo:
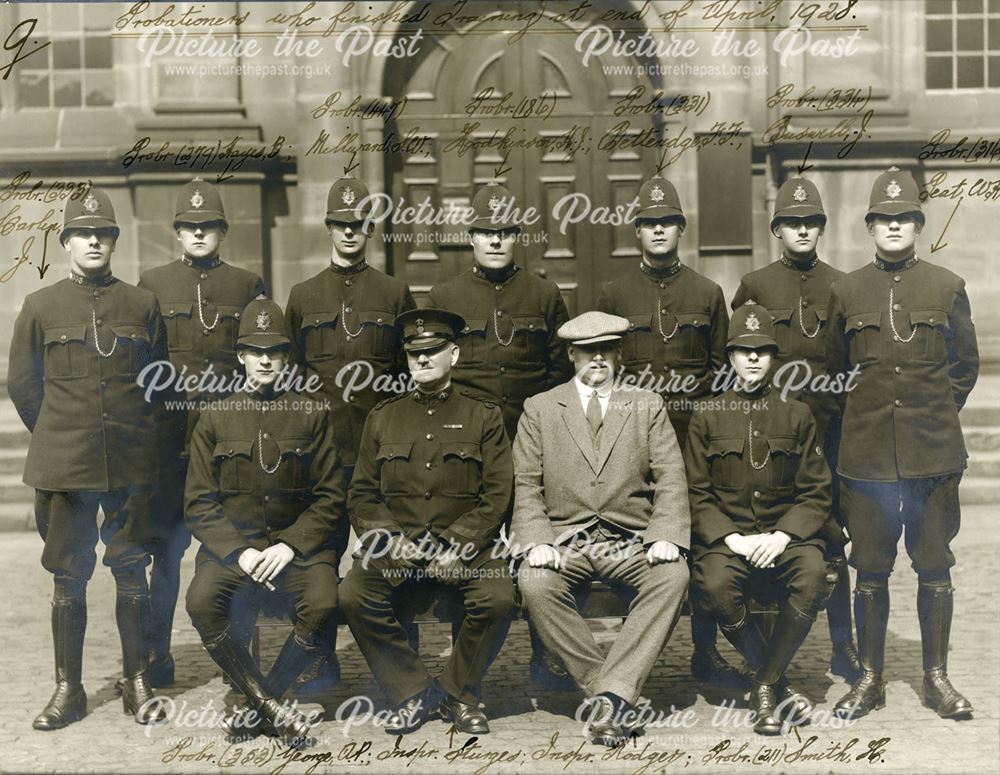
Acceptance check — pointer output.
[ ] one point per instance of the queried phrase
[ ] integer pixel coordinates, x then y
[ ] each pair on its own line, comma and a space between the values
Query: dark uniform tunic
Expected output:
754, 466
264, 471
677, 324
439, 465
510, 350
343, 316
918, 360
91, 428
797, 298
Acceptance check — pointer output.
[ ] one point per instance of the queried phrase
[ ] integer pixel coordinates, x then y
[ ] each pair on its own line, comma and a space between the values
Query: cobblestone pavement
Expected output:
532, 731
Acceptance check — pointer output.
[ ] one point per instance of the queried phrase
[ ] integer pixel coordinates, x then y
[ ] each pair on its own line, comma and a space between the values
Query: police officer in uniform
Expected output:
342, 318
509, 346
265, 490
906, 325
677, 331
759, 488
795, 290
201, 298
76, 351
431, 488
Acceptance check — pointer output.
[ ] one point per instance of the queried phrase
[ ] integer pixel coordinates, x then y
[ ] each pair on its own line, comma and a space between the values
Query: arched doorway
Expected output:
461, 93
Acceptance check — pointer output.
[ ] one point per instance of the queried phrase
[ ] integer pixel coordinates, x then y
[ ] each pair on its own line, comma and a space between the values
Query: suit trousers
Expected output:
653, 612
370, 602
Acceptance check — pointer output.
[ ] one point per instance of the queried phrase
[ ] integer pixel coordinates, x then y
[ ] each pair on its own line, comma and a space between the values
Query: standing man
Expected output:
675, 344
600, 493
201, 298
796, 290
264, 493
510, 350
76, 351
906, 325
760, 495
430, 492
341, 326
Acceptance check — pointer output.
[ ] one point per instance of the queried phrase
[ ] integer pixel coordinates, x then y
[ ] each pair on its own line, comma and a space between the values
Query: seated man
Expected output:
598, 468
264, 491
431, 486
760, 494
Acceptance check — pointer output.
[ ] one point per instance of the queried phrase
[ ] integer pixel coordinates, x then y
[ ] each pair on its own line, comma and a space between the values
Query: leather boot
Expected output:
323, 673
871, 615
765, 706
747, 640
844, 660
789, 633
69, 701
138, 700
935, 604
245, 676
294, 657
707, 664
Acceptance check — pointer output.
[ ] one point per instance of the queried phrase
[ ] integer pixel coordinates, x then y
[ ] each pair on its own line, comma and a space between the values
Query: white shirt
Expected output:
603, 394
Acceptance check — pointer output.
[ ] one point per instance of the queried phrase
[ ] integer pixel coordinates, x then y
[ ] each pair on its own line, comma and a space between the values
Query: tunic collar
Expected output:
656, 273
432, 398
500, 276
361, 266
800, 266
202, 263
758, 392
895, 266
103, 281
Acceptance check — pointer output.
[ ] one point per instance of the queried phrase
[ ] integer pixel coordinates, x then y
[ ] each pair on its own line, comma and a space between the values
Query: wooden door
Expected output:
455, 98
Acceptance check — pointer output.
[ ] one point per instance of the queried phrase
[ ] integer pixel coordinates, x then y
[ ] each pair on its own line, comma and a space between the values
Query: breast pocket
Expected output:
227, 328
393, 460
637, 345
177, 317
462, 468
690, 345
293, 474
725, 461
930, 335
132, 349
376, 337
318, 329
863, 331
783, 333
65, 352
236, 468
785, 454
532, 335
472, 342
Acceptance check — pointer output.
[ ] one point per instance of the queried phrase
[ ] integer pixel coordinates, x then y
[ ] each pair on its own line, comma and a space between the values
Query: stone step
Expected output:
14, 436
979, 489
984, 464
17, 516
976, 415
13, 490
12, 459
985, 438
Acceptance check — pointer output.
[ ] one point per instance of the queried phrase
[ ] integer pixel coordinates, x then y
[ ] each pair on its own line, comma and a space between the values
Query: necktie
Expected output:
594, 413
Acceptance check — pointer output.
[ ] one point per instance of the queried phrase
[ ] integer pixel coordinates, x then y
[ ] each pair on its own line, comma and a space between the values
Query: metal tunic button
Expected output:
898, 370
930, 320
204, 276
805, 277
427, 465
663, 285
378, 320
896, 307
265, 435
230, 450
133, 336
63, 337
756, 493
105, 415
897, 402
462, 453
663, 310
266, 499
348, 283
104, 383
499, 313
430, 411
206, 332
503, 369
896, 279
238, 315
171, 312
465, 330
97, 294
756, 433
347, 310
98, 321
298, 450
427, 495
498, 287
429, 437
860, 323
805, 303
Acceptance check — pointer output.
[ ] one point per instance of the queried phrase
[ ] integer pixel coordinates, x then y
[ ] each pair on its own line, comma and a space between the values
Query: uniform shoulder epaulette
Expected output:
387, 401
490, 402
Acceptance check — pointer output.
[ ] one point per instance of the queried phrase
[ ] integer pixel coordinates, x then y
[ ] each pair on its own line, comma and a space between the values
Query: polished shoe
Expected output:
865, 695
67, 704
468, 719
412, 714
709, 666
794, 707
845, 662
764, 704
241, 725
943, 698
160, 671
602, 727
139, 701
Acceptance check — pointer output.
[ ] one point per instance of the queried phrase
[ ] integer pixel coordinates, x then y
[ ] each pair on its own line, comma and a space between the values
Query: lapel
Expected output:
576, 421
619, 409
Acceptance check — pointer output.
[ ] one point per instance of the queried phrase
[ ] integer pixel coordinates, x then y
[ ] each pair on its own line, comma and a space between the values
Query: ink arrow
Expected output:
44, 267
803, 166
352, 165
940, 245
500, 170
662, 163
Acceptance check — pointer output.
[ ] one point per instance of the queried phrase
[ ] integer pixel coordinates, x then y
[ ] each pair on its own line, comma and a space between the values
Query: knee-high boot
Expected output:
69, 701
935, 604
871, 615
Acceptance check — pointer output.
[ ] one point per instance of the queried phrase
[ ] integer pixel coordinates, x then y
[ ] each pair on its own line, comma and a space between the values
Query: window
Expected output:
75, 70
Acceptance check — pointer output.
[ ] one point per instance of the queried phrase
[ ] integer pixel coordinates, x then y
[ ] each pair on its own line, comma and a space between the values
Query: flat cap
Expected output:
427, 328
593, 327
